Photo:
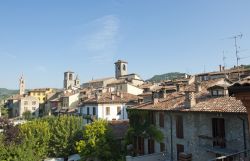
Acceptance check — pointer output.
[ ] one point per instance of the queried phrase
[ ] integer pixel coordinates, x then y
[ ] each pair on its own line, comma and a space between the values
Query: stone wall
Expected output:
198, 137
150, 157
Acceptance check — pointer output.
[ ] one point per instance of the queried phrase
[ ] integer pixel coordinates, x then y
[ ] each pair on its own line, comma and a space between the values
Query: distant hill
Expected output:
246, 66
5, 93
167, 76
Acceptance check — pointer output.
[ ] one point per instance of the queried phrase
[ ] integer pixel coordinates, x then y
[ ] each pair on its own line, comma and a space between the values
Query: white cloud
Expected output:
100, 38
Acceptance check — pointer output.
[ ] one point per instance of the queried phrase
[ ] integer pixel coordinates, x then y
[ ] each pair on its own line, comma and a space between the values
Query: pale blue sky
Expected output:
44, 38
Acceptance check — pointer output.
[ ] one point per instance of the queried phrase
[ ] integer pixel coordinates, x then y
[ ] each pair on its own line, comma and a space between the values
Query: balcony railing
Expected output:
240, 156
218, 145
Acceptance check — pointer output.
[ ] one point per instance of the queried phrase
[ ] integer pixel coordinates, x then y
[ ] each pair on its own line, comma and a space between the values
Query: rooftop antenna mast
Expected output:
235, 37
224, 59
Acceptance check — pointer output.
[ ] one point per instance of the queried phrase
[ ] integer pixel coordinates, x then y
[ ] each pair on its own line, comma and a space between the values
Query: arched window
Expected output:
70, 77
124, 67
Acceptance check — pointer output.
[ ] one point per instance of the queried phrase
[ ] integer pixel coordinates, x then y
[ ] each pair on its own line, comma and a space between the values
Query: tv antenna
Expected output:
224, 59
235, 37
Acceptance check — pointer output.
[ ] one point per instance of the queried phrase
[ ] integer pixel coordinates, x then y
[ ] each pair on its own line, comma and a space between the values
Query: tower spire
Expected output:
21, 85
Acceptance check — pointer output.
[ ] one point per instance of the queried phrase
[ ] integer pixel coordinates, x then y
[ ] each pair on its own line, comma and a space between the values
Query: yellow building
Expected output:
41, 94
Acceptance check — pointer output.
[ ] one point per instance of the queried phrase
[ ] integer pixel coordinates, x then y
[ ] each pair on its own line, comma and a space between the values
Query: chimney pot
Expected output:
112, 96
197, 87
155, 100
190, 100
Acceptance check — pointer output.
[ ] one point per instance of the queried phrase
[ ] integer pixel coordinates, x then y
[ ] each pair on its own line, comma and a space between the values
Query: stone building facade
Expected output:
195, 122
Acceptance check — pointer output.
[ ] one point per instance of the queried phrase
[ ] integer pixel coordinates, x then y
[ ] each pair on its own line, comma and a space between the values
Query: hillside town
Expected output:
197, 117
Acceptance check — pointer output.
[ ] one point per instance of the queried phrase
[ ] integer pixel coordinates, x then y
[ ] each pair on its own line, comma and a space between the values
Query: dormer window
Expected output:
218, 90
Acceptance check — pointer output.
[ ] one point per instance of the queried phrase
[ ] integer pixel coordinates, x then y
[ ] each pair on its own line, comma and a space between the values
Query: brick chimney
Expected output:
197, 87
155, 100
121, 95
97, 96
190, 100
140, 100
177, 87
112, 96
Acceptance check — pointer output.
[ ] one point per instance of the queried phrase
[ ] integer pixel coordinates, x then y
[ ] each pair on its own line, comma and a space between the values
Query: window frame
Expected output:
107, 110
179, 126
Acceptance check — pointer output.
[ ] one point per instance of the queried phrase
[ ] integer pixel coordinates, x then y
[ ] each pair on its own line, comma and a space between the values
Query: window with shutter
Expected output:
179, 127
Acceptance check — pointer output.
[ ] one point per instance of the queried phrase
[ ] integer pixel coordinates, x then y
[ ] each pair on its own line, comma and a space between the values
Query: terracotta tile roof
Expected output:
235, 70
205, 103
119, 128
171, 102
100, 80
244, 82
145, 94
15, 97
240, 87
206, 84
40, 90
107, 98
146, 85
118, 81
220, 104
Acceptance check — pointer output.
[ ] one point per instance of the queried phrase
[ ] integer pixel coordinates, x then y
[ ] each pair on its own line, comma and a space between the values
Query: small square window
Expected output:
163, 147
107, 110
119, 110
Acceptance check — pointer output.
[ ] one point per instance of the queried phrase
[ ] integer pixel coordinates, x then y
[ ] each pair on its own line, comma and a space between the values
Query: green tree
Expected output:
40, 138
27, 115
37, 135
65, 131
98, 142
4, 111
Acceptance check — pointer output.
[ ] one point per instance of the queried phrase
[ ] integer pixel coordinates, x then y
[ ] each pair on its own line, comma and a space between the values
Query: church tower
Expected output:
21, 86
120, 68
77, 82
69, 81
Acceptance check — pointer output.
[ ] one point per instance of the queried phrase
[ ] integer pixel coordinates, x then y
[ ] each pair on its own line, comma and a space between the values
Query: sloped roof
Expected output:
107, 98
205, 103
240, 86
119, 128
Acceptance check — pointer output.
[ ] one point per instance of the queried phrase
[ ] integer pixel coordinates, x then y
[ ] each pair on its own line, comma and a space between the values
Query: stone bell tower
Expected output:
120, 68
68, 81
21, 86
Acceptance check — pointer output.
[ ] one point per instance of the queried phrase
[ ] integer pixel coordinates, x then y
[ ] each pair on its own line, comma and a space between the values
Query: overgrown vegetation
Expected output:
142, 124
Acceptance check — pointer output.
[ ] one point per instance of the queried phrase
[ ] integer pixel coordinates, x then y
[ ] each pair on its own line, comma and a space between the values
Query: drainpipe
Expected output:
244, 132
171, 136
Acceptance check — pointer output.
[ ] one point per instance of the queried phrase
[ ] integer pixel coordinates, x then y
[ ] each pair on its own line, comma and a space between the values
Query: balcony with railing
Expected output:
239, 156
217, 145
